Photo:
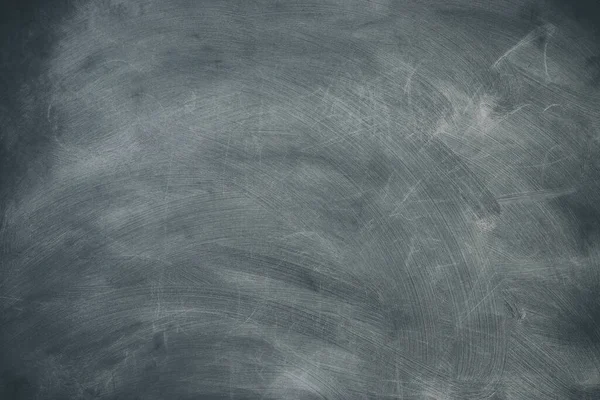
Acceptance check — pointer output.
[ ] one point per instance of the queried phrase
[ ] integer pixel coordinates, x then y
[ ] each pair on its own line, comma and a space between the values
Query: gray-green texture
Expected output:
325, 199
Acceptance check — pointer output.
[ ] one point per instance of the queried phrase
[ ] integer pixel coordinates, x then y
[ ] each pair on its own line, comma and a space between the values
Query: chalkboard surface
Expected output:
312, 199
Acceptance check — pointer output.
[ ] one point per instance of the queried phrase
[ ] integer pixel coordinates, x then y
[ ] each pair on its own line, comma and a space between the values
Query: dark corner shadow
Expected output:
587, 14
27, 33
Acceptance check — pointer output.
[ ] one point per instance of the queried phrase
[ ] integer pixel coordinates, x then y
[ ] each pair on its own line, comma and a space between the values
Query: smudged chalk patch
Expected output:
316, 199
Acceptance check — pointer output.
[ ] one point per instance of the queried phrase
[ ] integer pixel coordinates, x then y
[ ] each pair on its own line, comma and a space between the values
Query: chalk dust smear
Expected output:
300, 200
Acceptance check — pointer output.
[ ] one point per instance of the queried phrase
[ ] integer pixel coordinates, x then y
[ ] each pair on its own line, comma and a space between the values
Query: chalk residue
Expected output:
318, 199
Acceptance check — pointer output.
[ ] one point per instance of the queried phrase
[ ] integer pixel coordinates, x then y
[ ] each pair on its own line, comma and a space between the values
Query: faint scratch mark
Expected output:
530, 37
479, 303
550, 106
407, 85
396, 213
546, 62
